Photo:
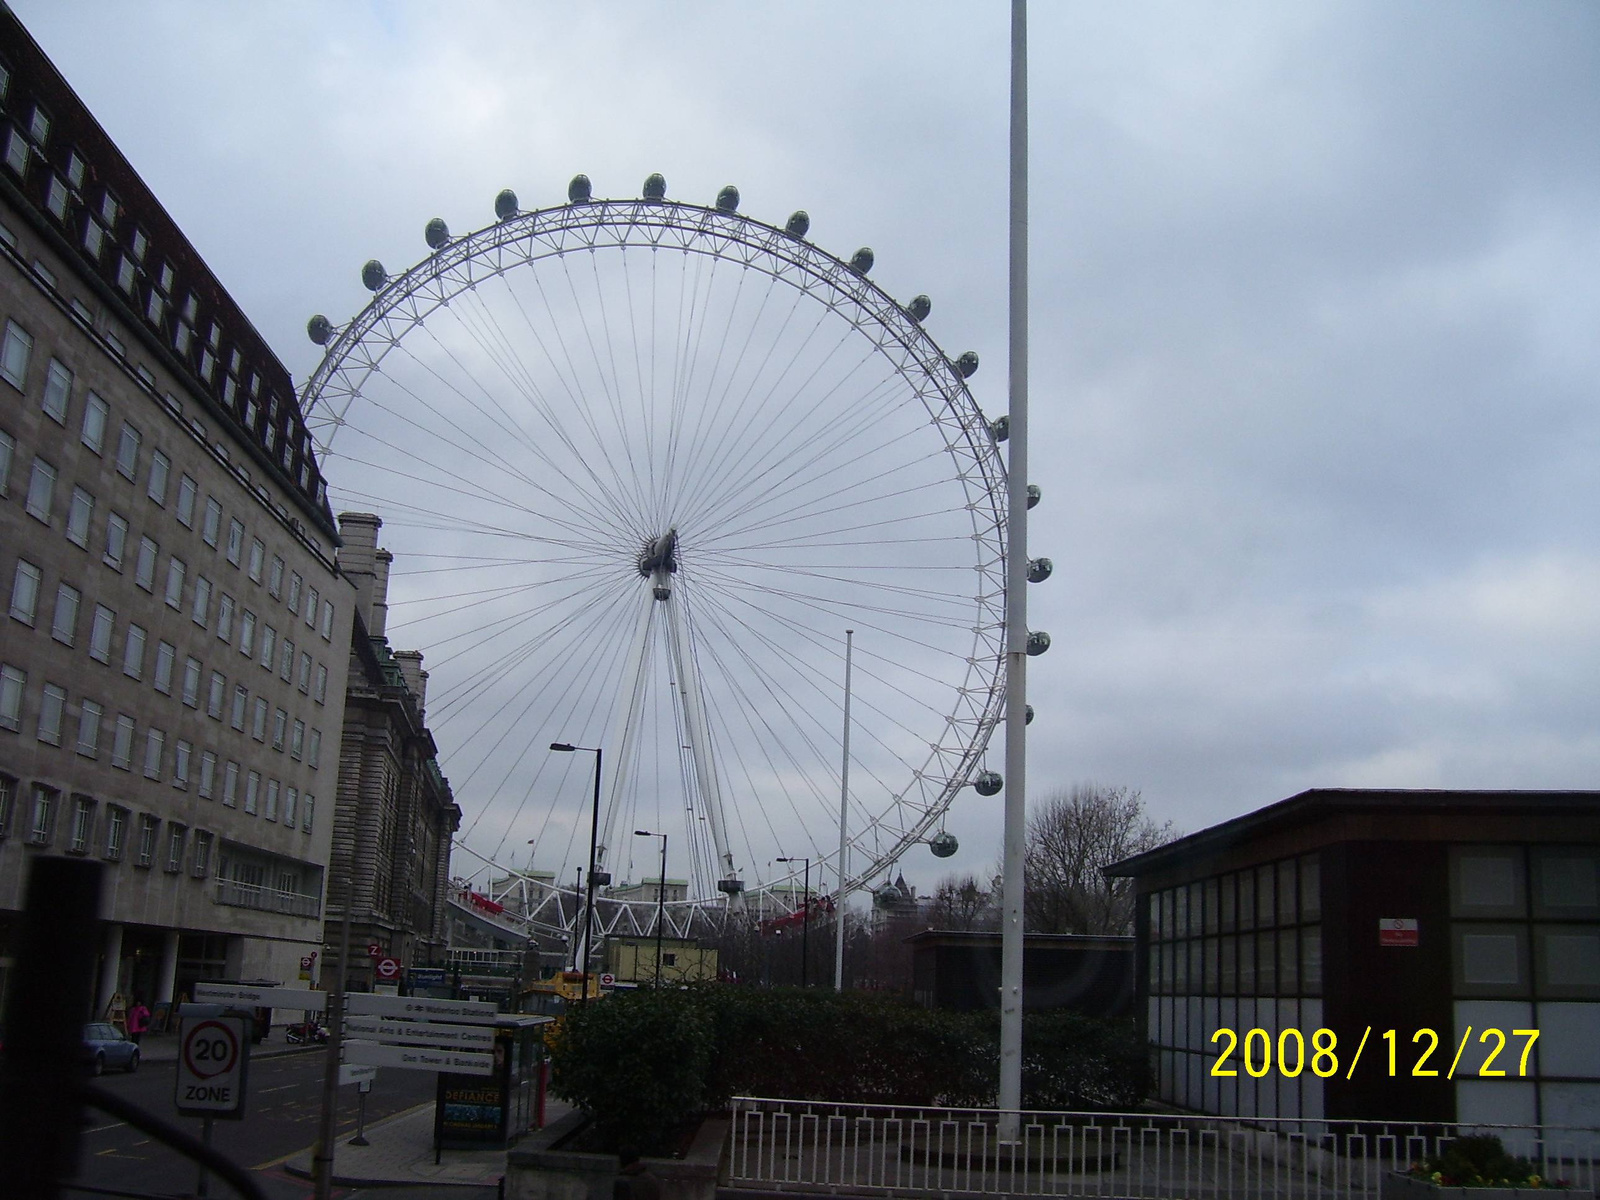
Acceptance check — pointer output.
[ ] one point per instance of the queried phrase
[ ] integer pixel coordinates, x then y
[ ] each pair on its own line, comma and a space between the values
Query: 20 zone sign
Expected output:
213, 1052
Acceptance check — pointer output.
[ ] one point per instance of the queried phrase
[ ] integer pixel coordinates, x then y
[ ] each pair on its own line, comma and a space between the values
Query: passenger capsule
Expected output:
1000, 428
943, 844
1039, 569
887, 896
505, 205
1027, 714
437, 233
730, 887
799, 223
655, 188
967, 364
861, 260
373, 276
578, 190
1034, 494
1038, 642
728, 199
988, 783
319, 329
919, 308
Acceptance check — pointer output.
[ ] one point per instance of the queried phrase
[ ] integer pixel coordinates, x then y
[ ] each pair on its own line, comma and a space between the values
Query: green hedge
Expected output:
643, 1062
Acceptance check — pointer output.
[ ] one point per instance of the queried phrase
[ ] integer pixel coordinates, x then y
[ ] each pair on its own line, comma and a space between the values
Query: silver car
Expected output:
104, 1045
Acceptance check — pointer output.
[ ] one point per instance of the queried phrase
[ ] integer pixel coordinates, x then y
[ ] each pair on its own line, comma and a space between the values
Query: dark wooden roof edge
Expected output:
1319, 802
979, 936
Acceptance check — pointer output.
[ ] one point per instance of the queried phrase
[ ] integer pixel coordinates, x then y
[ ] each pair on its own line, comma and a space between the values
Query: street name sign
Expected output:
356, 1073
428, 1032
261, 997
420, 1008
419, 1058
213, 1054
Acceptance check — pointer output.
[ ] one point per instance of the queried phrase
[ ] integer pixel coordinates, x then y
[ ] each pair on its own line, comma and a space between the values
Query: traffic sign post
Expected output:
213, 1064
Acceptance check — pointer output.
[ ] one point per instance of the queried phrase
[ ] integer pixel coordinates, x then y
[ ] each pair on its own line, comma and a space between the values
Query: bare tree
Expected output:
961, 902
1071, 837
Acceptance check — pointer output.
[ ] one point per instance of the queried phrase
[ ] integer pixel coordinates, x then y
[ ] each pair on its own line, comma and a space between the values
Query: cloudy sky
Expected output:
1316, 290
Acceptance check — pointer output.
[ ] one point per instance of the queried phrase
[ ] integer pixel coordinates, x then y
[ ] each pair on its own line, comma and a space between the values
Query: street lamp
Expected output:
805, 923
594, 841
661, 895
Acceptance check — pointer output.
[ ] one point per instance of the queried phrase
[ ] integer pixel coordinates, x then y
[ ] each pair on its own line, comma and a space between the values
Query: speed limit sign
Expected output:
213, 1054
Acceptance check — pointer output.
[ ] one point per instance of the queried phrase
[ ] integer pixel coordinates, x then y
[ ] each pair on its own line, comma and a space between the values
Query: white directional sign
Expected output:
212, 1056
260, 997
356, 1073
475, 1012
419, 1058
457, 1037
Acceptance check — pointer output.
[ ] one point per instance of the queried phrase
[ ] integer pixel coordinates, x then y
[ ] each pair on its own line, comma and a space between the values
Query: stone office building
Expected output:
176, 634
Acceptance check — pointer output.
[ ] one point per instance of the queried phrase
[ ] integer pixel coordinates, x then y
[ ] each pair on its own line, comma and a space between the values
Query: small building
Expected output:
683, 960
960, 970
651, 890
1415, 923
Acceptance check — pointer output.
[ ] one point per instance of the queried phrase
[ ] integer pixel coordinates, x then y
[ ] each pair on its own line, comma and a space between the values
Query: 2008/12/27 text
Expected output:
1292, 1053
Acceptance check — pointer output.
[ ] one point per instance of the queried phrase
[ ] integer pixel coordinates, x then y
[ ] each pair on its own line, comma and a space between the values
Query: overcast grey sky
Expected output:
1316, 290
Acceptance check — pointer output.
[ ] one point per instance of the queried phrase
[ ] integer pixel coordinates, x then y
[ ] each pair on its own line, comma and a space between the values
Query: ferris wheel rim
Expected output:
357, 350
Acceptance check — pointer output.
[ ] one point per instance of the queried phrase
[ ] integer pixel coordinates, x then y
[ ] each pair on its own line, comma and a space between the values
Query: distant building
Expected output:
960, 970
173, 655
1434, 914
633, 960
395, 814
649, 891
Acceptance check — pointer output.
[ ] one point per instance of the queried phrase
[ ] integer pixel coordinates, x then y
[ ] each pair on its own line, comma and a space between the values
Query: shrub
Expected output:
1481, 1161
1070, 1061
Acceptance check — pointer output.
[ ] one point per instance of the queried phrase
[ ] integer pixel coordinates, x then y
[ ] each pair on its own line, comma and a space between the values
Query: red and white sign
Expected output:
212, 1057
1397, 931
374, 950
608, 979
388, 968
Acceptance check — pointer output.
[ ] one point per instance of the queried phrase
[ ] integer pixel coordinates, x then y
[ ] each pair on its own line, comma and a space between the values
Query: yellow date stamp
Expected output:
1291, 1053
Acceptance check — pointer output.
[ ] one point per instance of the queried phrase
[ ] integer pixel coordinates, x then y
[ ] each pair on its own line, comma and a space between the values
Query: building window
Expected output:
280, 727
8, 450
230, 784
241, 698
188, 490
247, 634
311, 608
286, 661
50, 709
155, 746
216, 692
100, 634
235, 540
148, 825
176, 836
15, 351
175, 573
95, 414
122, 744
116, 831
57, 391
8, 801
269, 643
42, 826
305, 672
128, 452
144, 571
80, 510
314, 749
191, 682
89, 717
327, 620
225, 618
200, 610
182, 752
133, 652
208, 775
17, 151
202, 854
270, 809
64, 623
25, 592
294, 592
297, 741
321, 693
166, 658
160, 472
82, 825
127, 273
275, 578
258, 723
305, 812
116, 540
41, 490
212, 523
258, 558
252, 789
290, 800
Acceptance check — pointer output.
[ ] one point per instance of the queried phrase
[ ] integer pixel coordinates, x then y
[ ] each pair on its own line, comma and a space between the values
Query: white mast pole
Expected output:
844, 812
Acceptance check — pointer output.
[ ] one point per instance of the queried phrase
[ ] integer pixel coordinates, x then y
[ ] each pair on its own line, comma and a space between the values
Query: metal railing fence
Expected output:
874, 1149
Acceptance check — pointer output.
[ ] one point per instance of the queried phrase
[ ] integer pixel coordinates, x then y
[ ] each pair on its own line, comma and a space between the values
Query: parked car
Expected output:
104, 1045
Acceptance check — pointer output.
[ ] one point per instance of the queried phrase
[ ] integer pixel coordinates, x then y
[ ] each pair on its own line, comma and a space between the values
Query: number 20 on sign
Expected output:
213, 1056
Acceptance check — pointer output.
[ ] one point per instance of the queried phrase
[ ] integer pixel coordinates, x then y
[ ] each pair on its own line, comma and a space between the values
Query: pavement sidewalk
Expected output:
400, 1151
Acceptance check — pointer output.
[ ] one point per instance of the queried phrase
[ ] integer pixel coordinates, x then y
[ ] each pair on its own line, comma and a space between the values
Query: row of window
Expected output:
16, 347
150, 286
1282, 893
1277, 962
93, 727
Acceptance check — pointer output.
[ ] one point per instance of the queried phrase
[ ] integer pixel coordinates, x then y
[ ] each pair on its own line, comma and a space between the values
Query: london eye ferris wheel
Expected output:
642, 462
